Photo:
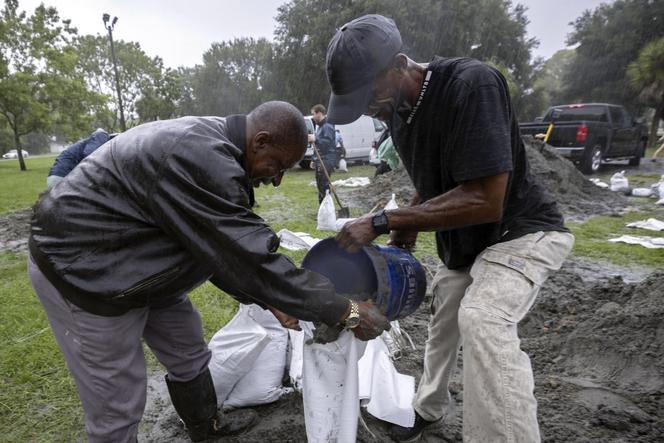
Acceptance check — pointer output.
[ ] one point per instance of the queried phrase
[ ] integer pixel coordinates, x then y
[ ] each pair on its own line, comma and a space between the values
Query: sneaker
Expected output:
406, 435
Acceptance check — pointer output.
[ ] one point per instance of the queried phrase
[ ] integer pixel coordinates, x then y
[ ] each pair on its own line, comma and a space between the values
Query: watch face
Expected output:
352, 322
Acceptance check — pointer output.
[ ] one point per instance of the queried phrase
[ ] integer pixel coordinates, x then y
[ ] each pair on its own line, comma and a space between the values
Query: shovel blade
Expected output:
344, 213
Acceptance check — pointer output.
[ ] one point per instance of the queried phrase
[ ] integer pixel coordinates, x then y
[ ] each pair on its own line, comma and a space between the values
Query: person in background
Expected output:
498, 232
73, 154
387, 154
325, 143
116, 247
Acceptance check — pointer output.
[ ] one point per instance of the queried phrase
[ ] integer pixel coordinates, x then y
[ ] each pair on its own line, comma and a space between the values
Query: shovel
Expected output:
343, 210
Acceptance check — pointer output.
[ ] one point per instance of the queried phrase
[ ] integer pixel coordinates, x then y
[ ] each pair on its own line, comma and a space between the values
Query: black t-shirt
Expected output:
463, 127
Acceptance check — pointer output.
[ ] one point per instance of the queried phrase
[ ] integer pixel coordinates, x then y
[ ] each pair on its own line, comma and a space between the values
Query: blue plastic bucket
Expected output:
392, 276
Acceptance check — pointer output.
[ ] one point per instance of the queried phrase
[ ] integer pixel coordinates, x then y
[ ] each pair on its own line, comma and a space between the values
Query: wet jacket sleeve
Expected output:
201, 198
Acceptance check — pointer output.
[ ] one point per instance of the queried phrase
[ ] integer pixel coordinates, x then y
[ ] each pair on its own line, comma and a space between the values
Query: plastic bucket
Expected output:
390, 276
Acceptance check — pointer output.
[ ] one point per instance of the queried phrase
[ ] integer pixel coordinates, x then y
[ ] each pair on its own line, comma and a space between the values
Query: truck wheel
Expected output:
636, 160
592, 160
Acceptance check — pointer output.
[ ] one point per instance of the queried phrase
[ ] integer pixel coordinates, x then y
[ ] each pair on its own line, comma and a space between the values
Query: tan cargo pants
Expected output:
479, 308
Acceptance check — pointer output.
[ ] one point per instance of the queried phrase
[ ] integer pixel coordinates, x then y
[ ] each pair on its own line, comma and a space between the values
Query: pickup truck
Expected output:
590, 133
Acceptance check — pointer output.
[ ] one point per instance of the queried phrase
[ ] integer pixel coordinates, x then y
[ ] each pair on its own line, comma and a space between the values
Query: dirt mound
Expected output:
577, 197
14, 230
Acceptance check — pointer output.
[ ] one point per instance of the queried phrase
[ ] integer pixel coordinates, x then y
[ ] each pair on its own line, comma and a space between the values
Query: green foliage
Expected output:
39, 85
487, 30
235, 77
609, 39
149, 90
647, 76
549, 84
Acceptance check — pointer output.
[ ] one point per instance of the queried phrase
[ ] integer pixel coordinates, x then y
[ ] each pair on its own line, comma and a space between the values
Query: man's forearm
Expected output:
469, 204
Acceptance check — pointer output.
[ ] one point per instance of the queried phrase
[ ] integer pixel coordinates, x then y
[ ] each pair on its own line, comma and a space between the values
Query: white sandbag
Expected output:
660, 201
660, 189
343, 166
262, 384
234, 349
619, 182
387, 394
352, 182
645, 241
326, 215
599, 183
330, 389
296, 241
651, 224
641, 192
392, 204
296, 346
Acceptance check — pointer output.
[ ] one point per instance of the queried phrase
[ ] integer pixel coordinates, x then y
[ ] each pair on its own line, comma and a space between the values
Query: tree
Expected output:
490, 30
39, 84
235, 77
143, 79
647, 76
608, 39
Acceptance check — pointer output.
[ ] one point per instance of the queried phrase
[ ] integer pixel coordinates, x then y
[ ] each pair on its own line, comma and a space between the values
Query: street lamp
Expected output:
109, 27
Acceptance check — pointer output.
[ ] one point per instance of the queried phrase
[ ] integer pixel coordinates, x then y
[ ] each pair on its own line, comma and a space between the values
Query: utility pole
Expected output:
109, 27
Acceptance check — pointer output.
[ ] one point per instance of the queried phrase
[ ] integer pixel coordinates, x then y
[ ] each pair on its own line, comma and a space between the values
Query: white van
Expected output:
359, 137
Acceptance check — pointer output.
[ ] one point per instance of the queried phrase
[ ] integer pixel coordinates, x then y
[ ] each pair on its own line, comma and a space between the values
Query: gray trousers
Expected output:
105, 356
479, 308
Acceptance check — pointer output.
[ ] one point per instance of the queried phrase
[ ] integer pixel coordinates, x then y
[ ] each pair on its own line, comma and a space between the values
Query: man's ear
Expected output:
261, 140
400, 61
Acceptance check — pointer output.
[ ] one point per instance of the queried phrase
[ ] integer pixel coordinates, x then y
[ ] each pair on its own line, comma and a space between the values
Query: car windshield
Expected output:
569, 113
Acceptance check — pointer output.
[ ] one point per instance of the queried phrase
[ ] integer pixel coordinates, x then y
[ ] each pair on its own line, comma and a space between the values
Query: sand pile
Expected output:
577, 197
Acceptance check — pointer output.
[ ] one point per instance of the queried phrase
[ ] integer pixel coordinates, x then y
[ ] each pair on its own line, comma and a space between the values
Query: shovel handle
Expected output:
328, 177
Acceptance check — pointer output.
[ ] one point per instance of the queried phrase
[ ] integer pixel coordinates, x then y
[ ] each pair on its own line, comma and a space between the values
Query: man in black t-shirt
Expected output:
498, 232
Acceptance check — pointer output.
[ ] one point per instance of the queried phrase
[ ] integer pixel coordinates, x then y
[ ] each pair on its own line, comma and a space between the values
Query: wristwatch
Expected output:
353, 319
379, 223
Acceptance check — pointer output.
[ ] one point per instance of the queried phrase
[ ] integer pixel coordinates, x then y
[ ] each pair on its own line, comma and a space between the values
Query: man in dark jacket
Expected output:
73, 154
165, 206
326, 144
498, 232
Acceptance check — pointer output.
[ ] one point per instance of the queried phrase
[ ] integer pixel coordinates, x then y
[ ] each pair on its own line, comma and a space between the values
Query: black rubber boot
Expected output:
195, 401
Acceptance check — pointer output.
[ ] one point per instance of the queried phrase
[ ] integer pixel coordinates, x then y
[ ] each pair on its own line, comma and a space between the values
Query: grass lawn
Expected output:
38, 401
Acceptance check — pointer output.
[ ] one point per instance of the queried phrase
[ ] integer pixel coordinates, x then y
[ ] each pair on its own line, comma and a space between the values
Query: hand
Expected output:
287, 321
356, 234
312, 165
311, 138
372, 322
403, 239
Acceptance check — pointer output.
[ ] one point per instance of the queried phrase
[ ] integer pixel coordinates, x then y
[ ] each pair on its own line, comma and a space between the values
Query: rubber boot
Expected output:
195, 401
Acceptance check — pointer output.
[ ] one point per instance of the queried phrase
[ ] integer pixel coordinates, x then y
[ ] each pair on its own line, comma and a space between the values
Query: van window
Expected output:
379, 126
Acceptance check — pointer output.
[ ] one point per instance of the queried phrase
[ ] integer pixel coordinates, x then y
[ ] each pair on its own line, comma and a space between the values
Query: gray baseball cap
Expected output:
357, 53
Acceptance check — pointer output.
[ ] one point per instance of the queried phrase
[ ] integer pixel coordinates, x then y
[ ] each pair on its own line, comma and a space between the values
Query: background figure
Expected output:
341, 150
387, 154
73, 154
326, 145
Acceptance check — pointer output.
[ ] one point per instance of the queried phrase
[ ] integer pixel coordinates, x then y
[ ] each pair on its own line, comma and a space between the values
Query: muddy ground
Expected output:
595, 337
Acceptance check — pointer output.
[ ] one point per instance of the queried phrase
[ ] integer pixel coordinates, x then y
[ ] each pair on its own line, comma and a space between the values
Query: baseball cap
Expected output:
357, 53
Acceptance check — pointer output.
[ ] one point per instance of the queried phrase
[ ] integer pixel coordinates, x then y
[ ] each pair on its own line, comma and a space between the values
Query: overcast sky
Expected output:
179, 31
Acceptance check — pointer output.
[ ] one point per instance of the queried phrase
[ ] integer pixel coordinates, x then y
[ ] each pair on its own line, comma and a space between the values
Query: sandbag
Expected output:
387, 394
262, 383
326, 214
330, 389
619, 182
234, 349
392, 204
343, 166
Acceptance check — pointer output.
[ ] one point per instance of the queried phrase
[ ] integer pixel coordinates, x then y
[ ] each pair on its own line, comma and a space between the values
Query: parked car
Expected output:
590, 133
359, 137
14, 154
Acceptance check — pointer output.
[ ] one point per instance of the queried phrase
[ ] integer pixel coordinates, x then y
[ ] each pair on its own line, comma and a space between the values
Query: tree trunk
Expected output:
19, 151
654, 125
